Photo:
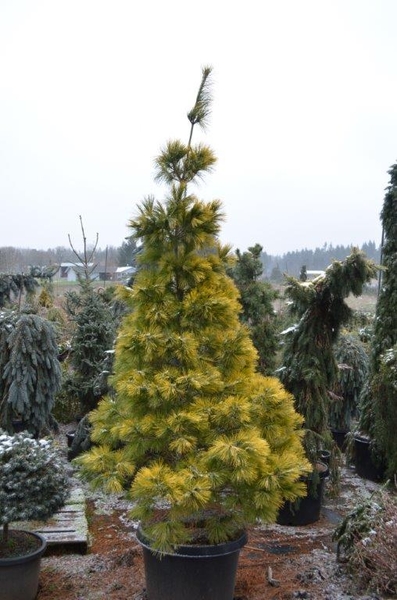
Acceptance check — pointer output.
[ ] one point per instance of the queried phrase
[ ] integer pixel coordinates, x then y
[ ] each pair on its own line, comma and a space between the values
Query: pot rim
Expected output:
365, 439
196, 550
30, 556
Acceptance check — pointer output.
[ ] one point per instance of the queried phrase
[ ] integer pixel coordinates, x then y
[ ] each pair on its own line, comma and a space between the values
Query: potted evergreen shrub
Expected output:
33, 486
375, 428
204, 444
309, 368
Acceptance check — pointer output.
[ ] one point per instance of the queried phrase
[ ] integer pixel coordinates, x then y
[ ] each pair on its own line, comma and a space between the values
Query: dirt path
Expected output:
278, 563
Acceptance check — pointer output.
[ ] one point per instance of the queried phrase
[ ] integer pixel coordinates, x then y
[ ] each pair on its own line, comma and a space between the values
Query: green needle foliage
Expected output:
203, 442
383, 390
378, 402
12, 286
30, 371
353, 363
309, 367
257, 297
94, 331
385, 325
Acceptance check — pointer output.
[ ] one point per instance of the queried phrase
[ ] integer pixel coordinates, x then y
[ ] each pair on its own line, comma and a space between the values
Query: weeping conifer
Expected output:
12, 286
309, 367
31, 374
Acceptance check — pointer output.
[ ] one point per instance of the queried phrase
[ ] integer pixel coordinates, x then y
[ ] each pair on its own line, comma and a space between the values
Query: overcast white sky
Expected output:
304, 119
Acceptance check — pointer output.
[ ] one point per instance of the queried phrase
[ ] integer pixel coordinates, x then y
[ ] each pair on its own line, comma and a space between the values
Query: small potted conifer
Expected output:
33, 486
204, 444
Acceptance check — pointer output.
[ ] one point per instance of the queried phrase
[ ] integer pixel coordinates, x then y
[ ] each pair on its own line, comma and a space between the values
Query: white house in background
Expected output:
124, 273
68, 270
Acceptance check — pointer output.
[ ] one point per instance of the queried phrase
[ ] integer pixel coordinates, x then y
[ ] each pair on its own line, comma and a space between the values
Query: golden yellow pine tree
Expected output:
204, 444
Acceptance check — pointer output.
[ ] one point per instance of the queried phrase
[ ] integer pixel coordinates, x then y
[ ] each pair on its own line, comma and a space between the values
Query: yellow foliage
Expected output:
198, 434
106, 468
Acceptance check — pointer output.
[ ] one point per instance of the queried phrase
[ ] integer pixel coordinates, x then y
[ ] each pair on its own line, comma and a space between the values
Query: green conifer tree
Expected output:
13, 286
200, 439
94, 333
126, 254
257, 297
378, 402
353, 362
383, 390
30, 372
309, 367
303, 273
385, 324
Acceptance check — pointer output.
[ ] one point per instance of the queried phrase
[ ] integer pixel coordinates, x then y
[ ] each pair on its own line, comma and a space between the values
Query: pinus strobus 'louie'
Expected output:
204, 444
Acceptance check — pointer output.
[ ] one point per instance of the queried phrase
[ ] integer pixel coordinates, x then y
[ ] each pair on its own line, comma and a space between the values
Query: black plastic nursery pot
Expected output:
196, 572
18, 425
19, 576
339, 438
70, 437
363, 461
307, 510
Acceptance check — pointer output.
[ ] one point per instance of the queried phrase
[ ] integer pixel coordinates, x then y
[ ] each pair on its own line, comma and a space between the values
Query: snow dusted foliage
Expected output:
33, 478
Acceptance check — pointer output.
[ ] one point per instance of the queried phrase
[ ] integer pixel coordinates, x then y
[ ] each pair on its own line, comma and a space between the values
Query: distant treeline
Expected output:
291, 263
18, 260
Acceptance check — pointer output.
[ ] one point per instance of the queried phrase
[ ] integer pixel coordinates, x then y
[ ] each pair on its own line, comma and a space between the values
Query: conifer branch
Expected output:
201, 109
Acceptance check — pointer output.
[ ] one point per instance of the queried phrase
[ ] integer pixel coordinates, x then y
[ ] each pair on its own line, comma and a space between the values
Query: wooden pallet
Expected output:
67, 530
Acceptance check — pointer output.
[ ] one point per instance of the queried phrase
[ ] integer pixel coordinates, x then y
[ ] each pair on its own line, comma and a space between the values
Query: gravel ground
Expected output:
278, 563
